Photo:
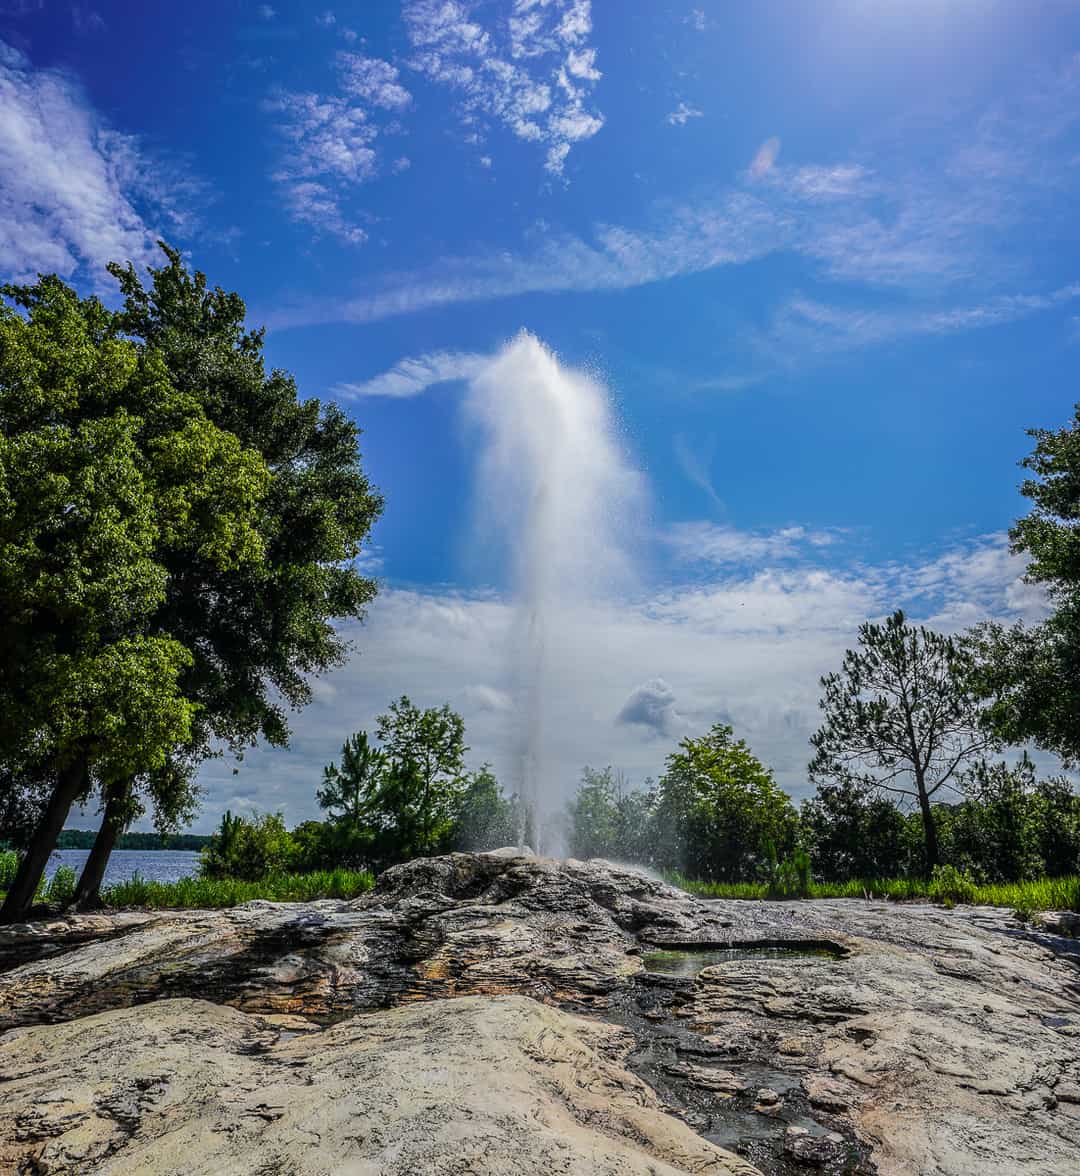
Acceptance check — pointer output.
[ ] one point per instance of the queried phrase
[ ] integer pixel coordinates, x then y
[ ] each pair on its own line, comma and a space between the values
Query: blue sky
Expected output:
824, 257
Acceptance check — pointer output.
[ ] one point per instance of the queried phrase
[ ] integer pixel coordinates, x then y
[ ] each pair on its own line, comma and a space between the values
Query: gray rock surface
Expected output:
915, 1040
477, 1085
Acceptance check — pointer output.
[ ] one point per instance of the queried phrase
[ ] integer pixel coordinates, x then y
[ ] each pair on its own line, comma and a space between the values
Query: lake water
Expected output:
155, 865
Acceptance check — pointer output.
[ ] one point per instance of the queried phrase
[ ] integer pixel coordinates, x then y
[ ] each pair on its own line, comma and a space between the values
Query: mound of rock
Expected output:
436, 1025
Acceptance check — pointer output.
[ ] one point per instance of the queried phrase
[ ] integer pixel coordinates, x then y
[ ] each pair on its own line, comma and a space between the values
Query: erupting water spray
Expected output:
557, 491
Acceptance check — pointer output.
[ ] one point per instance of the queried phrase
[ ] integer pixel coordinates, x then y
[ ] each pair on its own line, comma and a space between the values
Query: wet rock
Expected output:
816, 1151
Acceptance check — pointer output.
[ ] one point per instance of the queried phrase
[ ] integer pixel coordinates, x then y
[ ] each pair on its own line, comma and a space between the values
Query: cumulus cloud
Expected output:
76, 193
415, 374
534, 75
652, 705
682, 114
746, 646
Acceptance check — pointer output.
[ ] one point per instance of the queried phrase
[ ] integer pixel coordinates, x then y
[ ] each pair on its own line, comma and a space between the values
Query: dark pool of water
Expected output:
690, 963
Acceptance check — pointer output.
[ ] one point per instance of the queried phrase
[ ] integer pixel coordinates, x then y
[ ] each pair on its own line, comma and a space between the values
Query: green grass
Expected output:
206, 893
1043, 894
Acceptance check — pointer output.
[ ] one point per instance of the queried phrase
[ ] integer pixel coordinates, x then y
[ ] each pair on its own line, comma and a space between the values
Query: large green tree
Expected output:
104, 467
1032, 674
719, 812
902, 718
256, 631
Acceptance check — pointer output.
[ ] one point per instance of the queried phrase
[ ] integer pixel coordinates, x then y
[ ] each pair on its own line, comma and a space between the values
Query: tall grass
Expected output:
201, 893
206, 893
1045, 894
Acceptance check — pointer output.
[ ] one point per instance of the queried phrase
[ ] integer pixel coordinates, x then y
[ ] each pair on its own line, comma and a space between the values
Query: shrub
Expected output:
61, 887
789, 878
9, 865
949, 885
249, 849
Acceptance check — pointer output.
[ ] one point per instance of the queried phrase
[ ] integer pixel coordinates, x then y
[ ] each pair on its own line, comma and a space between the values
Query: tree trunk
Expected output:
929, 829
70, 781
112, 825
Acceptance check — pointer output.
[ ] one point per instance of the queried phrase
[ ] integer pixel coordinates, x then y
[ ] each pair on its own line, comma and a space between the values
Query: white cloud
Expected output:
804, 326
326, 19
713, 543
652, 705
415, 374
332, 145
682, 114
75, 193
694, 461
372, 80
266, 12
747, 646
696, 19
765, 159
533, 76
486, 698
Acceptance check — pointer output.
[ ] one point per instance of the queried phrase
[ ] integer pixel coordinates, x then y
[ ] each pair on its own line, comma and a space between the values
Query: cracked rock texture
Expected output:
395, 1033
481, 1084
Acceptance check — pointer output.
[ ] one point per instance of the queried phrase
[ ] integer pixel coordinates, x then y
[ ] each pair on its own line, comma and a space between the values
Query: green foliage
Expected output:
852, 833
346, 789
1029, 674
61, 886
207, 893
486, 819
607, 819
177, 533
950, 885
9, 863
718, 809
902, 717
789, 878
249, 849
84, 839
1044, 894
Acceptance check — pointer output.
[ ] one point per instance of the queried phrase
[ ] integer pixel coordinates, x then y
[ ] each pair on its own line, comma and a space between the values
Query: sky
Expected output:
823, 258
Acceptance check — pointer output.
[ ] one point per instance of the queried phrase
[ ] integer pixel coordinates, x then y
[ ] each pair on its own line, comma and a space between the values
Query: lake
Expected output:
155, 865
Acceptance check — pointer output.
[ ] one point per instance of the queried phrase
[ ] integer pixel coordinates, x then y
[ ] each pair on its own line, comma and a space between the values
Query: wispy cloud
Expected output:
718, 545
805, 326
533, 75
941, 239
76, 193
682, 114
414, 375
332, 145
765, 159
694, 461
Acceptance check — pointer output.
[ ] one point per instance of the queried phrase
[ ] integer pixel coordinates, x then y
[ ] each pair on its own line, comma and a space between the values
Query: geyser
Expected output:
557, 493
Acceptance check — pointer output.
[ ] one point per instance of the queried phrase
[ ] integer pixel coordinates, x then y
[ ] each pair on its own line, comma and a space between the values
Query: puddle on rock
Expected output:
689, 963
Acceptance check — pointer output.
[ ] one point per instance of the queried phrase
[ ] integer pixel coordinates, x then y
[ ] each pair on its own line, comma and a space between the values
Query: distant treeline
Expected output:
84, 839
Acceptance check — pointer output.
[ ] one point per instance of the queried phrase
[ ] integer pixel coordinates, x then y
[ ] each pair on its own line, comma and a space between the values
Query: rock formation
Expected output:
489, 1013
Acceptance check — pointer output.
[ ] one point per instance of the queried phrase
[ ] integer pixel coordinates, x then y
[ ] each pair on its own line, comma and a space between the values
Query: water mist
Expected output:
557, 493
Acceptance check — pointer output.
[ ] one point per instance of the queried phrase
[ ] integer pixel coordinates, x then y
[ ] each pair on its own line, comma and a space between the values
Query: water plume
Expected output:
557, 495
